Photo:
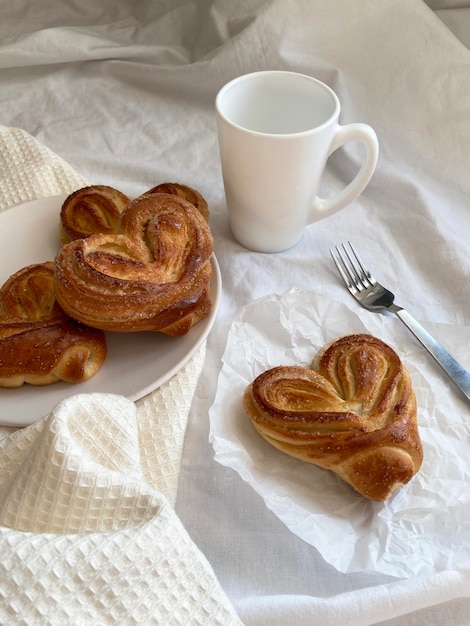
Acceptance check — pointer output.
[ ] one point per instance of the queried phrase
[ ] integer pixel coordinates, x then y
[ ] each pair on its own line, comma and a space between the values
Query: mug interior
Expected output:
276, 102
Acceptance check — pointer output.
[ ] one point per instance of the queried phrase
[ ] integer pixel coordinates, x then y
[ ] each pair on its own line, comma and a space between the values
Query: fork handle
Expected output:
457, 373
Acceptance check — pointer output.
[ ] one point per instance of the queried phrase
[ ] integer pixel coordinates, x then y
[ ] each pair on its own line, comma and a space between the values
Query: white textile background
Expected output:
124, 93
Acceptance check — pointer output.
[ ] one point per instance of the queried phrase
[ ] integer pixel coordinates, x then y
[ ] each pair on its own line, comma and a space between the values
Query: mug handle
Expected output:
323, 207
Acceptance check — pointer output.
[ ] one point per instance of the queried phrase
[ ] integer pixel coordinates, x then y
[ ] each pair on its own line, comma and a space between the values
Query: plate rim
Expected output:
147, 389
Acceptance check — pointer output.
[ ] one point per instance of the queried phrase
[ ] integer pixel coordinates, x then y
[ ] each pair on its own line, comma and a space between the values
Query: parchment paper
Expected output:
425, 526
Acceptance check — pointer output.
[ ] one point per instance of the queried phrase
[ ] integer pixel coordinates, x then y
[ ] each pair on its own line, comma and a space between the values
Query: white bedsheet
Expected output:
124, 93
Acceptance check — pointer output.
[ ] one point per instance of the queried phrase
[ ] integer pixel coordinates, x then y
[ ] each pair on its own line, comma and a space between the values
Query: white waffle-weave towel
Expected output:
88, 533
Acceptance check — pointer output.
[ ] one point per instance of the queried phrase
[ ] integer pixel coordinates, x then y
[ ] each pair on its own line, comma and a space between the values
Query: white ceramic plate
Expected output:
136, 364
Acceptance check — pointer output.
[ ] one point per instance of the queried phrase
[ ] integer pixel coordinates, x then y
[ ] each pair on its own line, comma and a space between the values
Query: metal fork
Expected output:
374, 297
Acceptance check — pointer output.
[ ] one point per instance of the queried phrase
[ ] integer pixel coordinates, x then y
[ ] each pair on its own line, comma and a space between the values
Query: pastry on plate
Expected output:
39, 343
188, 193
98, 208
89, 210
152, 275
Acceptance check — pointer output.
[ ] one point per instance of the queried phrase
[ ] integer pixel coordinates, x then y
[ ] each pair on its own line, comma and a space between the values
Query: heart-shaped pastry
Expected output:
353, 412
98, 209
185, 192
152, 275
39, 344
90, 210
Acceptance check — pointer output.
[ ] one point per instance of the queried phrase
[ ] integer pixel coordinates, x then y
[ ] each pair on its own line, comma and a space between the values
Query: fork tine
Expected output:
339, 266
365, 272
354, 270
347, 269
351, 268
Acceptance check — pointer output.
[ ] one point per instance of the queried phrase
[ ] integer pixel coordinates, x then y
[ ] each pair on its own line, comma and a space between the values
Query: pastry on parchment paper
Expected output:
353, 412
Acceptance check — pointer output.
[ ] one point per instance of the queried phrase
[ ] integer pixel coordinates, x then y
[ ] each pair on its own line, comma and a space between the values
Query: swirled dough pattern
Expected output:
185, 192
93, 209
353, 412
153, 275
39, 344
98, 209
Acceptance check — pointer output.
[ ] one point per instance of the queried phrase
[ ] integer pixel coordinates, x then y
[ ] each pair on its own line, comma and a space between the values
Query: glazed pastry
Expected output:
93, 209
353, 412
39, 344
185, 192
98, 208
29, 294
153, 276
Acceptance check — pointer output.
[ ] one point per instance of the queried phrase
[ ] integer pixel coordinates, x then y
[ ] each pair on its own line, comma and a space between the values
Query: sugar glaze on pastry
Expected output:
353, 412
90, 210
98, 208
39, 344
152, 275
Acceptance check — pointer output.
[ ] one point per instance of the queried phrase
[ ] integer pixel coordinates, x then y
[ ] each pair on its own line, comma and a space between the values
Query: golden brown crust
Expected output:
354, 414
93, 209
98, 209
154, 276
185, 192
39, 344
28, 294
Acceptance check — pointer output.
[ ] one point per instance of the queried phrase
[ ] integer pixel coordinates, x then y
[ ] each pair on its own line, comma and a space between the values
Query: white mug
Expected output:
276, 130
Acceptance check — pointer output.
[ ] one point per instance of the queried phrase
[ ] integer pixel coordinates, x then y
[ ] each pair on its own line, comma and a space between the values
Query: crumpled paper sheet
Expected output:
424, 527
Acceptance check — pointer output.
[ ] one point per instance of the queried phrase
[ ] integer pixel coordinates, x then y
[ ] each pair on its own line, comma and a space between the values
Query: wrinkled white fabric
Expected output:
124, 93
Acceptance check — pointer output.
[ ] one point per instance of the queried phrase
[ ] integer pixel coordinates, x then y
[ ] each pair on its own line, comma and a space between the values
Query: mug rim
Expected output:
259, 73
